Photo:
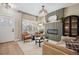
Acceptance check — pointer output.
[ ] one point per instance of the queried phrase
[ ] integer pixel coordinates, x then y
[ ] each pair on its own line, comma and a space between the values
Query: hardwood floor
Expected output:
10, 48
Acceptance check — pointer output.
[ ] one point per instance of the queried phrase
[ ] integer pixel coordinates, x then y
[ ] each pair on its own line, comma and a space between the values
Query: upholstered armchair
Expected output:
26, 36
38, 34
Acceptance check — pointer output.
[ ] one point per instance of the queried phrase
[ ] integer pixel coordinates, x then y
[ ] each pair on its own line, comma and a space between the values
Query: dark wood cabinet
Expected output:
71, 26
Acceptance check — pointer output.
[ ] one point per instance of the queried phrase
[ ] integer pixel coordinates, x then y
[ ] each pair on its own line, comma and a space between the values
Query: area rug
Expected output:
29, 48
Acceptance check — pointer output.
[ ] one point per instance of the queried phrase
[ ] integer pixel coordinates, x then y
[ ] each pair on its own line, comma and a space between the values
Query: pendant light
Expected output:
43, 11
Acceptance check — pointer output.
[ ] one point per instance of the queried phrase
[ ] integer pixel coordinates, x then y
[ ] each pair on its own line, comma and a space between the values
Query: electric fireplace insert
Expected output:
52, 31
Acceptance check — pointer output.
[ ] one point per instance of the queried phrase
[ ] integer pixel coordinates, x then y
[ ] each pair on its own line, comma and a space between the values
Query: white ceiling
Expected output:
33, 8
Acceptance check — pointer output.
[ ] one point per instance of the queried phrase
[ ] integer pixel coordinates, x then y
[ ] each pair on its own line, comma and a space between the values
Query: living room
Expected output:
39, 29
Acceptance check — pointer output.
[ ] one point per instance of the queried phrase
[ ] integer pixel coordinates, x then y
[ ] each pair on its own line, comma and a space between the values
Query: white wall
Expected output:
14, 15
72, 10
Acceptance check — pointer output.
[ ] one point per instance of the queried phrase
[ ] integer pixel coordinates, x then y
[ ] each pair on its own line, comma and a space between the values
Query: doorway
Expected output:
7, 29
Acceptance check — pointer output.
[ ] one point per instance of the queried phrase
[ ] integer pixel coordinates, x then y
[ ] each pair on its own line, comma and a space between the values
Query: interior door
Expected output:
7, 26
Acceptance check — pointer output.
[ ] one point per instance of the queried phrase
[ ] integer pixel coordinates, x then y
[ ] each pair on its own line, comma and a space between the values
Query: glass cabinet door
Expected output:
67, 26
74, 26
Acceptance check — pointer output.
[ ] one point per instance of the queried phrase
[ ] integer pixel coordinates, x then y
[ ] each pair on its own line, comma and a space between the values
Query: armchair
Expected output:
26, 36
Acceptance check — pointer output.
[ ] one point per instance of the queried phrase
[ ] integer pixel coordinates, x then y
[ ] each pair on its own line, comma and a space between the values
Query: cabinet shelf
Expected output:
70, 25
73, 27
74, 21
66, 33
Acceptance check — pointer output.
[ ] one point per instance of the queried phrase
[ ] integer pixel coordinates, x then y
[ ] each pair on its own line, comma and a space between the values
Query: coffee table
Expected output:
39, 40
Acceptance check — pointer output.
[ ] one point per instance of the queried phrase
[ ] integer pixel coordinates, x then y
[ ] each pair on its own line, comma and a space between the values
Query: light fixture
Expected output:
6, 5
40, 24
43, 12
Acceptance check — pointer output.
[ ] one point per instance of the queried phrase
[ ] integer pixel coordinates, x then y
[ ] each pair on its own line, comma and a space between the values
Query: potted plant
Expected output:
62, 19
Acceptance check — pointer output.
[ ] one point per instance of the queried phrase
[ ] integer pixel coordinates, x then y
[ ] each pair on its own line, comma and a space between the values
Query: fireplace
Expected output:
52, 31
